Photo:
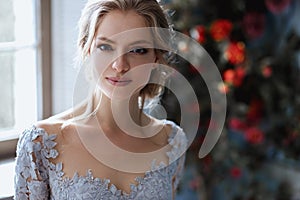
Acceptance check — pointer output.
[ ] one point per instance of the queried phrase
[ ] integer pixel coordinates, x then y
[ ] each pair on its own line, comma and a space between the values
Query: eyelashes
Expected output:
139, 51
105, 47
135, 51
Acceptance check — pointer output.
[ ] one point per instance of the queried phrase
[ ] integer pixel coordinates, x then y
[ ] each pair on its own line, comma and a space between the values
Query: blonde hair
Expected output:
154, 17
95, 9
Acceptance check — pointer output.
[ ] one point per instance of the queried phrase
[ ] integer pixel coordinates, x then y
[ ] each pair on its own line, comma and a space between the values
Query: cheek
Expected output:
139, 77
141, 74
99, 65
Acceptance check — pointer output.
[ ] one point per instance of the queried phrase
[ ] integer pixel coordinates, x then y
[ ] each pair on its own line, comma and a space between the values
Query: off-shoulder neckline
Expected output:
172, 155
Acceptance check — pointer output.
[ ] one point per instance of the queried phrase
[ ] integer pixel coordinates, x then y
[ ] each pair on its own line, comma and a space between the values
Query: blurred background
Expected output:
254, 43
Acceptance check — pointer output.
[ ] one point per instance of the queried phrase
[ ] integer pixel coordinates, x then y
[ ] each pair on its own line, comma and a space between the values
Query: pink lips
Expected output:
116, 81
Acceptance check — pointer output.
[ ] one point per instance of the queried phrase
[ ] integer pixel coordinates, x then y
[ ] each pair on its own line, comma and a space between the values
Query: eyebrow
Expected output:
105, 39
133, 43
141, 42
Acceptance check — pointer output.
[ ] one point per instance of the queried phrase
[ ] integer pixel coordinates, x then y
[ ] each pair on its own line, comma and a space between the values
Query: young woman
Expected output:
107, 147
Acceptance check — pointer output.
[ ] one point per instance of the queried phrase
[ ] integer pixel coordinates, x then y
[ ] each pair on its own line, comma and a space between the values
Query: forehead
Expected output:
119, 25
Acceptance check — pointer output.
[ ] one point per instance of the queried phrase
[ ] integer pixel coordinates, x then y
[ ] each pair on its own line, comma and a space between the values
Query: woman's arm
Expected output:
31, 177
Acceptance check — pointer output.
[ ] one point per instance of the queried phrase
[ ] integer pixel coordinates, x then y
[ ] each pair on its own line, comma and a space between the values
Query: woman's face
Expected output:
122, 54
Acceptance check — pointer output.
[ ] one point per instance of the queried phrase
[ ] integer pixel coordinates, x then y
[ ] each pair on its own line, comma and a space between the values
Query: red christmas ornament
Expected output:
277, 6
229, 76
255, 111
254, 24
237, 124
198, 33
235, 53
239, 76
254, 135
267, 71
223, 88
234, 77
235, 172
220, 29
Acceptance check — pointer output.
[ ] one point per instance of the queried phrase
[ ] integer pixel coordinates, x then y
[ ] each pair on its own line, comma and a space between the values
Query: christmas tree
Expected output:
256, 46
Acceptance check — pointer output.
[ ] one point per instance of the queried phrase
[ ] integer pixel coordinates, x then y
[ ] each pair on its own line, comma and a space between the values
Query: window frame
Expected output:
8, 139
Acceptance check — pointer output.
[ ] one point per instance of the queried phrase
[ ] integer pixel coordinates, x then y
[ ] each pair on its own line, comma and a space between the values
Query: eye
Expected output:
139, 51
105, 47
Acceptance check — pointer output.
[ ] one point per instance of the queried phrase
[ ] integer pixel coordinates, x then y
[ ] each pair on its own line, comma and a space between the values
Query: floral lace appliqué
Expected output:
38, 178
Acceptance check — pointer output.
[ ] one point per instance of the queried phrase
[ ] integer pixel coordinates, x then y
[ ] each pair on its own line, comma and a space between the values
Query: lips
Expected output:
116, 81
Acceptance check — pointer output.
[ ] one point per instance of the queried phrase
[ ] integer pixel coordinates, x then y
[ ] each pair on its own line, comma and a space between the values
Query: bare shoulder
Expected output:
55, 124
165, 132
61, 121
50, 126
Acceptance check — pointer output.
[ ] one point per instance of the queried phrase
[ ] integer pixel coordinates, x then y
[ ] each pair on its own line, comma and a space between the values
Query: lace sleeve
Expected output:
31, 177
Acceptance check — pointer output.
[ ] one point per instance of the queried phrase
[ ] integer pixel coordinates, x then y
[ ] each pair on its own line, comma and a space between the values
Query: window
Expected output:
25, 68
18, 70
25, 75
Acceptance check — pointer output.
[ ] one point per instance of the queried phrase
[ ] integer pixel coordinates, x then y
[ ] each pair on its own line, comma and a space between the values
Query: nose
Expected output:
121, 64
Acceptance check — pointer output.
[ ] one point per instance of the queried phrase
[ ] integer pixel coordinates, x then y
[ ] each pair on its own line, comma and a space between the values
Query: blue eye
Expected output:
139, 51
105, 47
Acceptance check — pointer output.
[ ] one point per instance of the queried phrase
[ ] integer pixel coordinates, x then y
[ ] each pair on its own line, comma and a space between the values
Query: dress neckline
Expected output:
175, 152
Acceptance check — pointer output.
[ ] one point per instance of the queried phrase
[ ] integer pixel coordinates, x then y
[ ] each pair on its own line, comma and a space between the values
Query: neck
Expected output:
109, 111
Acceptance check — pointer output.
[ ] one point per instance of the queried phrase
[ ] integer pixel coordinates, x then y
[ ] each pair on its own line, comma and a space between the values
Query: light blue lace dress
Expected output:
36, 178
